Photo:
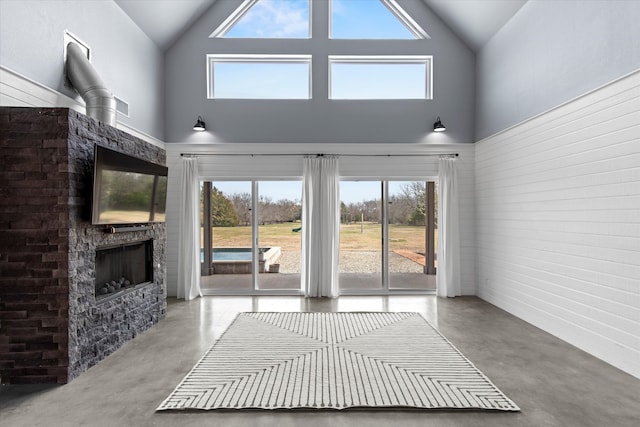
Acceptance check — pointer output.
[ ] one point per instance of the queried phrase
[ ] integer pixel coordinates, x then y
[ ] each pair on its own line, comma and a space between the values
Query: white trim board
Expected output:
17, 90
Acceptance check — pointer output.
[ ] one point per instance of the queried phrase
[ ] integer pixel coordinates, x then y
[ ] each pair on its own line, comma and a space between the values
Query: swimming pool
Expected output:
238, 260
233, 254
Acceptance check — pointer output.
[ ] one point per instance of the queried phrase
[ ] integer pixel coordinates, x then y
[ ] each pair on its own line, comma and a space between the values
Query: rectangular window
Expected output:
380, 77
259, 76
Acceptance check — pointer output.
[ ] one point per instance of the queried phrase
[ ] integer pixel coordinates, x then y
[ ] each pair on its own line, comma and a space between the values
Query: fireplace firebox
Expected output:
123, 267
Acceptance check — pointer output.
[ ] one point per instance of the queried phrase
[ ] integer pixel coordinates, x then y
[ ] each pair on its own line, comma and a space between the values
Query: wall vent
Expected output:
122, 107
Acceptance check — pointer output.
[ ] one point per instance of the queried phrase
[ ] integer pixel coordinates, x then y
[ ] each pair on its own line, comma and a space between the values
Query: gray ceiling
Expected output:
474, 21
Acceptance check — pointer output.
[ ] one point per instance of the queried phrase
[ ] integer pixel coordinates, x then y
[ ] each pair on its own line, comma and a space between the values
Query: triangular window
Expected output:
267, 19
372, 19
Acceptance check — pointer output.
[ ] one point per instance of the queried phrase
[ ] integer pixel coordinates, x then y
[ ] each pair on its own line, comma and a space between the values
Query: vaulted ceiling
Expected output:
474, 21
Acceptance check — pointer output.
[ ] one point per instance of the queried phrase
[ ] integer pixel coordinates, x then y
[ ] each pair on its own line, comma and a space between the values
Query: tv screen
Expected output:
126, 189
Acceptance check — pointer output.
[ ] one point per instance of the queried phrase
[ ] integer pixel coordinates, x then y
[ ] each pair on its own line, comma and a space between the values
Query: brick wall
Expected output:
34, 247
51, 328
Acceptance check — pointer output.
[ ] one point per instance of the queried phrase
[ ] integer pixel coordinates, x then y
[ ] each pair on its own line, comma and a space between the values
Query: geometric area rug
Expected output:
334, 361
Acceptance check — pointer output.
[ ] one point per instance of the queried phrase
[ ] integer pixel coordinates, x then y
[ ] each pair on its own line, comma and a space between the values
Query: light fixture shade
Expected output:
199, 126
438, 126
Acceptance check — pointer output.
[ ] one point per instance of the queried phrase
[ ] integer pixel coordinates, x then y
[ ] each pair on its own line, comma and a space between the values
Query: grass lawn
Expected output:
352, 237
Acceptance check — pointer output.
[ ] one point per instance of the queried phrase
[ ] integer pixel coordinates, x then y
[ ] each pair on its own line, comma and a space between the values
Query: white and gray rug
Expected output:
334, 361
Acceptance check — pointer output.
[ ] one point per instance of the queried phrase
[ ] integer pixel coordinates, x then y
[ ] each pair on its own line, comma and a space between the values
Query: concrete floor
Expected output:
554, 383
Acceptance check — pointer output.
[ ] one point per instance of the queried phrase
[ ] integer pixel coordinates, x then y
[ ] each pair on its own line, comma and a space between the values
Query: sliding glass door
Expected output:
251, 235
387, 236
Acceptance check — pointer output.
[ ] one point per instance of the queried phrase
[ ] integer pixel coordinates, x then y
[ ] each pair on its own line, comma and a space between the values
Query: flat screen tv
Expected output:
126, 189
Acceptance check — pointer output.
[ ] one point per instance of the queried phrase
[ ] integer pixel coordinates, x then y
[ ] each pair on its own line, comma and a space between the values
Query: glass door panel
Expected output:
360, 261
279, 234
407, 236
231, 222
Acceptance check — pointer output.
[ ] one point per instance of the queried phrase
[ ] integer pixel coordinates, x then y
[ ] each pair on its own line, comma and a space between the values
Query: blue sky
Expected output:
362, 81
274, 19
365, 19
261, 81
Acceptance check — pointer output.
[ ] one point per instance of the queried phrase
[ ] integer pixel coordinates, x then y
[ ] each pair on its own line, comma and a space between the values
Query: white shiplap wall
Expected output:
261, 167
558, 222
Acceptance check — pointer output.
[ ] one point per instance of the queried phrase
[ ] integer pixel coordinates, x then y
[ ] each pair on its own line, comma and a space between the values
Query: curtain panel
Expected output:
448, 271
320, 226
189, 231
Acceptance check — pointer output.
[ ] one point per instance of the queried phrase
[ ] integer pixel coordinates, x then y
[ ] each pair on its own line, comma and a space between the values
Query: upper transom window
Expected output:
372, 19
259, 76
380, 77
287, 19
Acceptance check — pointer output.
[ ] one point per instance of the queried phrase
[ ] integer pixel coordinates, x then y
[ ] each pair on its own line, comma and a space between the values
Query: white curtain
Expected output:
320, 226
448, 271
189, 231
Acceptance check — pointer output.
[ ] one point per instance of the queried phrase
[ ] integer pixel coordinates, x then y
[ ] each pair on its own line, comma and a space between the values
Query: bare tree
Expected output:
242, 204
266, 211
288, 210
280, 211
415, 193
400, 208
370, 210
404, 207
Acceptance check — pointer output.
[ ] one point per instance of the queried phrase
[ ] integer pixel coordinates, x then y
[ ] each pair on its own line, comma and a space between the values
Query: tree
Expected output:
372, 210
242, 204
267, 211
280, 211
415, 192
417, 217
400, 209
223, 213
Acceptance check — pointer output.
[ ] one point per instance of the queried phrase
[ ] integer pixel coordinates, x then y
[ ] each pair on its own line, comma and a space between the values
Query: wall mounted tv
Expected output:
126, 189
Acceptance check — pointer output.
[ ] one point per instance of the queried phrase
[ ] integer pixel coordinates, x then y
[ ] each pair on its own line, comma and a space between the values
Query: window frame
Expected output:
426, 60
212, 59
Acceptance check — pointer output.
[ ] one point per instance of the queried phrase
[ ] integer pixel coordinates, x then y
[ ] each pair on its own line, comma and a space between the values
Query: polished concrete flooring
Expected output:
554, 383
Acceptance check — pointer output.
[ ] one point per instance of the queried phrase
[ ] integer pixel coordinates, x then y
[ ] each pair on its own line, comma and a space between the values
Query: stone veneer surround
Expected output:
51, 328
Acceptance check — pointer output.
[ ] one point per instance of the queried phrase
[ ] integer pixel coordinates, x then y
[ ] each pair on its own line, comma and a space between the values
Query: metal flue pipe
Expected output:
100, 102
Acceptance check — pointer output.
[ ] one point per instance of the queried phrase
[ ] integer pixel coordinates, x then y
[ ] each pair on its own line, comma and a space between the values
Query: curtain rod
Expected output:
322, 155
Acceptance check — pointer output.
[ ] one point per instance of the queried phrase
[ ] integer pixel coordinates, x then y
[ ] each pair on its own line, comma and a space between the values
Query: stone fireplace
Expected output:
55, 322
